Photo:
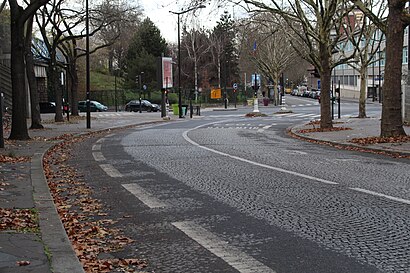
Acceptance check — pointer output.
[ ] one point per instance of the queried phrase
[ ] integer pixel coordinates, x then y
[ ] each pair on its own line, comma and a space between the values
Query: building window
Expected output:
353, 80
381, 58
405, 55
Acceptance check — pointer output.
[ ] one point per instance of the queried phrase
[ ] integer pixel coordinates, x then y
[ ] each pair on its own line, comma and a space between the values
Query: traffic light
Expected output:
137, 79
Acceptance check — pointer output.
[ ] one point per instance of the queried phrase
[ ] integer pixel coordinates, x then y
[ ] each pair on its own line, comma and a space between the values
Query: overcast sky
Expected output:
158, 12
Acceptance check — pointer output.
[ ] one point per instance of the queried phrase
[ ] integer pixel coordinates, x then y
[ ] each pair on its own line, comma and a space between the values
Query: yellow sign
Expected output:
216, 93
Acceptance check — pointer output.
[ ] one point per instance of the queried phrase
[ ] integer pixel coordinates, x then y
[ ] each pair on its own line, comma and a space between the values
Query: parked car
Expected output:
47, 107
95, 106
134, 106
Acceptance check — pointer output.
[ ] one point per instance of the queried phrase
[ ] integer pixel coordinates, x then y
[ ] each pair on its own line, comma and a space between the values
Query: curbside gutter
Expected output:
63, 258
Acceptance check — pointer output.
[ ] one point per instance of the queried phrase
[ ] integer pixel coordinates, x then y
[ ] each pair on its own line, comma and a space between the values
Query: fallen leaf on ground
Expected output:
23, 263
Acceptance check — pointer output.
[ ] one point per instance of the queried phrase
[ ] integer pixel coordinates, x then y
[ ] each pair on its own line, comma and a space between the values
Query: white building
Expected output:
349, 78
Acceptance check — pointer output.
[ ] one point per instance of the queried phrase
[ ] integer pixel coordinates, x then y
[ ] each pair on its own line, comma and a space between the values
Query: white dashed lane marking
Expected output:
96, 147
144, 196
98, 156
404, 201
185, 136
110, 170
230, 254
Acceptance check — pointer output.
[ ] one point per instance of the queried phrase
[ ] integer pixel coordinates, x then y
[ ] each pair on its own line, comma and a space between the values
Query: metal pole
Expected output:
179, 56
179, 71
374, 92
379, 76
87, 64
244, 91
139, 80
190, 106
333, 102
338, 103
115, 91
225, 79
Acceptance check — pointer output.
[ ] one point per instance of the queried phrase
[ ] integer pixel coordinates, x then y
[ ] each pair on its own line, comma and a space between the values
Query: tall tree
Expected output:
364, 37
224, 50
195, 46
274, 53
61, 28
120, 31
147, 44
397, 20
316, 27
31, 78
19, 16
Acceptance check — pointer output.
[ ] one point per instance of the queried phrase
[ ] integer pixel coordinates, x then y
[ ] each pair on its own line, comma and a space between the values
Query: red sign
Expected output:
167, 73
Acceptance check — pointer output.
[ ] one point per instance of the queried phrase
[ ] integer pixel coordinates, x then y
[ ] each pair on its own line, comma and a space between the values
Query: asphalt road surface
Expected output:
227, 193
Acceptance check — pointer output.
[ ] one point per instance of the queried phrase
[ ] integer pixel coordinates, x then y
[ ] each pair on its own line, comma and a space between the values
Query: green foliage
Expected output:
146, 45
225, 32
102, 81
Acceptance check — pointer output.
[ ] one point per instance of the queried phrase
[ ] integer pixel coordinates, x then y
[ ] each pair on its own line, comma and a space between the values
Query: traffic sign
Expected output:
235, 86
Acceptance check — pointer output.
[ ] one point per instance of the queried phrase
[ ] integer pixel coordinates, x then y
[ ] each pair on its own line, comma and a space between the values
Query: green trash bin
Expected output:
175, 109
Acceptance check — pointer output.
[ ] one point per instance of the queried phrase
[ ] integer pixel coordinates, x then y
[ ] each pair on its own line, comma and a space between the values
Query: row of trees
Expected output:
226, 54
61, 25
276, 38
127, 46
314, 29
319, 26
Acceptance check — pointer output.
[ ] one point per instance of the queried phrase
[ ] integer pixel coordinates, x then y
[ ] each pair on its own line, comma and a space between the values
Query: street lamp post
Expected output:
179, 55
87, 64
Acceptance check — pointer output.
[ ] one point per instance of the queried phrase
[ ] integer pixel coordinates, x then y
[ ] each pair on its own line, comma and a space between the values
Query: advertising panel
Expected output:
167, 79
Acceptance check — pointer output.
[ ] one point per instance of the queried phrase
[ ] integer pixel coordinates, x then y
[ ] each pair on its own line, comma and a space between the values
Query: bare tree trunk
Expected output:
55, 84
362, 98
275, 89
219, 72
18, 17
196, 79
32, 81
325, 78
392, 121
19, 129
74, 87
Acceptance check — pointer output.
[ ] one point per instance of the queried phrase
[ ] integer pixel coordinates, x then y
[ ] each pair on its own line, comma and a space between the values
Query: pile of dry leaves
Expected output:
255, 114
84, 218
315, 130
13, 159
375, 140
23, 220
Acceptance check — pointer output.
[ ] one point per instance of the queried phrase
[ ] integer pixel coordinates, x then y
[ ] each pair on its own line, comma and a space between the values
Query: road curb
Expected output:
346, 146
53, 233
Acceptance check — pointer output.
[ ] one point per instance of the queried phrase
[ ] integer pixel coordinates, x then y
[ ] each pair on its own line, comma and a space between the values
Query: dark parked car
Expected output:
95, 106
134, 106
47, 107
